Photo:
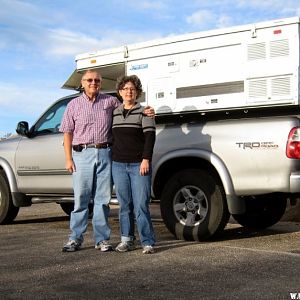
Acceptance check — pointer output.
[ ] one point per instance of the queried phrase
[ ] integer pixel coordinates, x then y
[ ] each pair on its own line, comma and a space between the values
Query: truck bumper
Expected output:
295, 183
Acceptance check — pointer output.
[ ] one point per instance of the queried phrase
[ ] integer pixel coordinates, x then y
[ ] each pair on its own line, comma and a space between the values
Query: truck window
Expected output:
50, 121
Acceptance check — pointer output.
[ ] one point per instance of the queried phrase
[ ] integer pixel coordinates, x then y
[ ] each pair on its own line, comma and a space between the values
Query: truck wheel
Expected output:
193, 205
262, 211
68, 207
8, 211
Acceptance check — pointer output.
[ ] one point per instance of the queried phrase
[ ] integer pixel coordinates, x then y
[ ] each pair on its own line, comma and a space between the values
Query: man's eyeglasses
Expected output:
90, 80
129, 89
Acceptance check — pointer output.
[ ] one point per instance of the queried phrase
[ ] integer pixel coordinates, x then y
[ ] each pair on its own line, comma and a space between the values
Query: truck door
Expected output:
40, 160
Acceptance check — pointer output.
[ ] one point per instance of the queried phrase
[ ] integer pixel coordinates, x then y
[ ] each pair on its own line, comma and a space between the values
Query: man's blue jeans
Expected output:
91, 180
133, 194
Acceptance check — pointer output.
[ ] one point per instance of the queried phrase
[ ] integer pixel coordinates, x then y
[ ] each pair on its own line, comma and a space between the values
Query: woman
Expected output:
133, 142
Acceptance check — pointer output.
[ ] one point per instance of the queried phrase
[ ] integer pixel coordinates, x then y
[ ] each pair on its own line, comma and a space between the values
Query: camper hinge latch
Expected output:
253, 32
126, 54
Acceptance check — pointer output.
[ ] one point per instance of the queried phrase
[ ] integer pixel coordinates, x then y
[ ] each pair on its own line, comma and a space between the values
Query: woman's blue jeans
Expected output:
91, 181
133, 193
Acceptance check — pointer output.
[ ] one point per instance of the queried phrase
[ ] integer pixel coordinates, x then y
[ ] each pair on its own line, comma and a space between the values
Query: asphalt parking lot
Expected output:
241, 265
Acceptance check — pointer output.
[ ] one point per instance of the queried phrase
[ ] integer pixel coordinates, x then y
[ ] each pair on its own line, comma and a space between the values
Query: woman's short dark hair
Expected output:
121, 81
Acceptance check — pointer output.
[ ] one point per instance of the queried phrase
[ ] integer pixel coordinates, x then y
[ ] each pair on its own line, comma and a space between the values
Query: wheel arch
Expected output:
8, 172
19, 199
178, 160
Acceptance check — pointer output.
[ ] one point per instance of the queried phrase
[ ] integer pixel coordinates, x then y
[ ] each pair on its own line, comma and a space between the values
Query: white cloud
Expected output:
38, 31
18, 11
23, 25
220, 14
150, 5
204, 19
146, 4
28, 100
200, 17
62, 42
224, 21
2, 44
279, 6
11, 93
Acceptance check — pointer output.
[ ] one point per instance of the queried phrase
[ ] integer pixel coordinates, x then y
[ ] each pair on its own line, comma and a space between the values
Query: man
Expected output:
87, 130
86, 125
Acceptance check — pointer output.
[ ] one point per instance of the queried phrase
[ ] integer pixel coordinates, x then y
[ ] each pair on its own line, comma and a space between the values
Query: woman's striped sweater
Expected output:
133, 135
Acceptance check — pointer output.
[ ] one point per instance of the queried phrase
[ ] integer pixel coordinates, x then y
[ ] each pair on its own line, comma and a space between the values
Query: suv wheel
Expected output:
68, 207
8, 211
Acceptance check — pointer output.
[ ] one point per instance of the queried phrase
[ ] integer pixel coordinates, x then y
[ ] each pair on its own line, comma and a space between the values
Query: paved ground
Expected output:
242, 265
292, 213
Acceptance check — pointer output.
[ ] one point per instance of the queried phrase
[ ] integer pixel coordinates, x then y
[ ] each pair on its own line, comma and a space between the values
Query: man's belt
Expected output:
80, 147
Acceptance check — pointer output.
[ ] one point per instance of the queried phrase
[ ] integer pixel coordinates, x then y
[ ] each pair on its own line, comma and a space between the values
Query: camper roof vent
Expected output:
258, 88
256, 51
279, 48
281, 86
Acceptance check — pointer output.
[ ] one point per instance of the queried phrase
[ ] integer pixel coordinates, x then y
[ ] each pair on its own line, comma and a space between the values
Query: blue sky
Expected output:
40, 38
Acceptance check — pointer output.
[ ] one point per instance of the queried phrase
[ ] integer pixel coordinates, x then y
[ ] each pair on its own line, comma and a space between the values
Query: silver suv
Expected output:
33, 164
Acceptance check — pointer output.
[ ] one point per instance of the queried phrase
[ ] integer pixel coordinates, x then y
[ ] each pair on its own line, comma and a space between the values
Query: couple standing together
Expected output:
104, 139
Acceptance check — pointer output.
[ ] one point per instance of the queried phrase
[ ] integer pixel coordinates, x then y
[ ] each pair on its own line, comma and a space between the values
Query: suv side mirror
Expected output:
23, 128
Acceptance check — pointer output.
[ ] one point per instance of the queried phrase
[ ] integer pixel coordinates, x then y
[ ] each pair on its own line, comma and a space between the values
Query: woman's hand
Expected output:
144, 168
149, 112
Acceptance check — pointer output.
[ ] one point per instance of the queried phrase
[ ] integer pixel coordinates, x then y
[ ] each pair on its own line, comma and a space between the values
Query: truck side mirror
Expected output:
23, 128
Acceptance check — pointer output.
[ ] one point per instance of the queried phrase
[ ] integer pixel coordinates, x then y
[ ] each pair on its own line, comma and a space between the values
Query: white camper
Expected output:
249, 66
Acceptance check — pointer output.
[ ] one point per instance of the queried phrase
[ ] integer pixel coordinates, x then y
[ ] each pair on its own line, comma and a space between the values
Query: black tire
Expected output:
8, 211
68, 207
193, 205
262, 211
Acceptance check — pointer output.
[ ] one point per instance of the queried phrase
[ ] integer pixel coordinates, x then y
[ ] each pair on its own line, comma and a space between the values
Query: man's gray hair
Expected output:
92, 71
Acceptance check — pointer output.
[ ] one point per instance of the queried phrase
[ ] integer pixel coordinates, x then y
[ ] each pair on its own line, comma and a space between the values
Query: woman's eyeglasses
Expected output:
129, 89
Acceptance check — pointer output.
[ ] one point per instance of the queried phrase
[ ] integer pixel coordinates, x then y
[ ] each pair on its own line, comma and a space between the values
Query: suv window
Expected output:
50, 121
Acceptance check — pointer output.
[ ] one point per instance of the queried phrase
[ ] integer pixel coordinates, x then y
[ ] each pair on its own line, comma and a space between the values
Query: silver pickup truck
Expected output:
205, 168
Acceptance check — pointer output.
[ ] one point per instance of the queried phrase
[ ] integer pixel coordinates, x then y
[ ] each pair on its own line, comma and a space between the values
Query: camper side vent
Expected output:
256, 51
258, 88
280, 86
279, 48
